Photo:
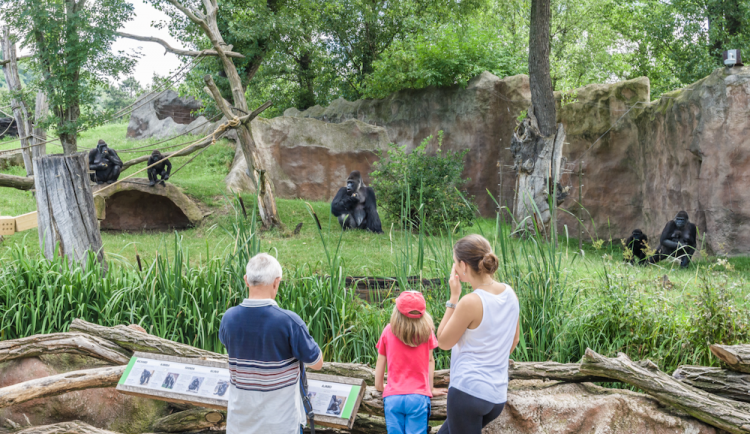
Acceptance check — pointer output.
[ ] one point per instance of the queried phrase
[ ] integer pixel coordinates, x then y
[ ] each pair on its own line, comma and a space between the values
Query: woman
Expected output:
483, 329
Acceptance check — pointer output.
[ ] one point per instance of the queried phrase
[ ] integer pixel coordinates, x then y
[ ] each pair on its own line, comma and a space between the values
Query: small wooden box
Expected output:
7, 225
26, 221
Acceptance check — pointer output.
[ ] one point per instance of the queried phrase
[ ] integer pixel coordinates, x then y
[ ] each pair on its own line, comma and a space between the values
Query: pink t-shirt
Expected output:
408, 367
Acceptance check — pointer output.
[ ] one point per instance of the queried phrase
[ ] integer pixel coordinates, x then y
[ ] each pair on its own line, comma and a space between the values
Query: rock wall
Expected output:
642, 161
165, 114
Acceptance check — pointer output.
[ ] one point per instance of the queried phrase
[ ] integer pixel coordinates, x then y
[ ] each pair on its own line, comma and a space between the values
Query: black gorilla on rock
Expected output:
637, 244
355, 205
678, 240
159, 170
105, 163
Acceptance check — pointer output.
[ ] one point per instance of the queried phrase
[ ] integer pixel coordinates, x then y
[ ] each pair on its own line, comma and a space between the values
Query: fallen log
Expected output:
731, 416
553, 371
58, 384
133, 340
722, 382
56, 343
736, 357
75, 427
191, 420
17, 182
372, 404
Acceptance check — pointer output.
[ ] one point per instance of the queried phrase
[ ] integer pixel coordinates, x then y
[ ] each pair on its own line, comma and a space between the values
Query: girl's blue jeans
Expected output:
406, 414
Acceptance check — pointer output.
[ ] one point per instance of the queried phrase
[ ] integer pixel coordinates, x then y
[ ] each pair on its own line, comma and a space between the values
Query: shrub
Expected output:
420, 187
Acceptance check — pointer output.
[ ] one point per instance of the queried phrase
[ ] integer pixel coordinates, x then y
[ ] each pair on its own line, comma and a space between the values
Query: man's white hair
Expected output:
262, 269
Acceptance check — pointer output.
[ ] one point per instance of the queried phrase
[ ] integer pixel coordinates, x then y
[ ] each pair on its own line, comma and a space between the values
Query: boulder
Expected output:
10, 159
308, 158
536, 407
133, 205
104, 408
165, 114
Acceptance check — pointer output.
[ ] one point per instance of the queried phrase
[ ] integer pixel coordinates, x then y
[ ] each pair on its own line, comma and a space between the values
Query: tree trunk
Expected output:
566, 372
57, 343
194, 419
737, 357
719, 412
69, 142
372, 404
66, 208
722, 382
75, 427
540, 83
20, 112
17, 182
39, 134
54, 385
537, 162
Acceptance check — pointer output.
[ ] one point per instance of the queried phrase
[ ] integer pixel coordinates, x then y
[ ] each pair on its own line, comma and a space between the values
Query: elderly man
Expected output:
268, 348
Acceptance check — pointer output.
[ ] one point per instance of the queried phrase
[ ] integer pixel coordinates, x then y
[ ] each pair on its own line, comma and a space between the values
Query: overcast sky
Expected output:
154, 58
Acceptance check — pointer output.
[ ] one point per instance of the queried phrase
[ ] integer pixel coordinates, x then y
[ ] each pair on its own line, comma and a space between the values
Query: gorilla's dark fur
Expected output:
355, 205
678, 239
636, 243
105, 162
158, 171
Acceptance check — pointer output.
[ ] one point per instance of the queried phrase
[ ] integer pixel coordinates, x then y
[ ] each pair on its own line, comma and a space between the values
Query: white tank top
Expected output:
479, 361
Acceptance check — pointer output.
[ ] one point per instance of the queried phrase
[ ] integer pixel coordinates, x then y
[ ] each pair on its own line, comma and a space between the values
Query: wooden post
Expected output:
65, 205
21, 114
38, 133
580, 206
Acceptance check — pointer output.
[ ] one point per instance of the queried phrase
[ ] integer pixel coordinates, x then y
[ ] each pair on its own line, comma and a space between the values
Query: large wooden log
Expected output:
65, 206
722, 382
731, 416
58, 384
75, 427
566, 372
134, 340
56, 343
737, 357
194, 419
17, 182
372, 404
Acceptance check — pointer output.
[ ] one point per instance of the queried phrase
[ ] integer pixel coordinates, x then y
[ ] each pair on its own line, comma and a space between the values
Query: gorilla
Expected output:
105, 163
678, 239
355, 205
194, 385
145, 377
334, 407
158, 171
636, 243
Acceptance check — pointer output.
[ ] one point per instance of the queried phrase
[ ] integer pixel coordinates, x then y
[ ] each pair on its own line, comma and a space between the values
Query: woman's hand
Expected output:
455, 285
439, 392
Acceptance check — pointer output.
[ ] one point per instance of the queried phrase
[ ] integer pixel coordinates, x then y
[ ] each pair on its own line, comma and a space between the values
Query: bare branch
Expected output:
178, 51
17, 182
187, 11
220, 103
28, 56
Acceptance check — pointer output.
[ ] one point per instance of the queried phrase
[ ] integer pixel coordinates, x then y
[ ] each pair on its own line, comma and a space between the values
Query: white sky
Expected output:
154, 58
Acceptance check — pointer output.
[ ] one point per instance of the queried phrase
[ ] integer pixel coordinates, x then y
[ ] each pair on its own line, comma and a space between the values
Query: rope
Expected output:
171, 138
233, 123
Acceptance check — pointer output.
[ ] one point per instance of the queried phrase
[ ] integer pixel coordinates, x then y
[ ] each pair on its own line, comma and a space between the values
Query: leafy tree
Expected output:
117, 97
71, 41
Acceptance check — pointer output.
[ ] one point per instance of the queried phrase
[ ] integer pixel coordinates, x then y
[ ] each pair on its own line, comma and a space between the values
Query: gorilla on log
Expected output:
158, 171
678, 240
105, 163
355, 205
636, 243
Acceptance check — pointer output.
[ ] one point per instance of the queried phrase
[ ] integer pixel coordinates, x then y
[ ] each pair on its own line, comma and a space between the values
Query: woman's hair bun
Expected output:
489, 264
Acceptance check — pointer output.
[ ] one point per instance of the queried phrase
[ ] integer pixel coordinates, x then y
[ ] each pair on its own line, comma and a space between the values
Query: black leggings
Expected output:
468, 414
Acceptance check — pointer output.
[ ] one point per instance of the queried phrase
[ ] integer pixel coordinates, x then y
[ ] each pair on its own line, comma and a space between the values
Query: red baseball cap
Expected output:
409, 301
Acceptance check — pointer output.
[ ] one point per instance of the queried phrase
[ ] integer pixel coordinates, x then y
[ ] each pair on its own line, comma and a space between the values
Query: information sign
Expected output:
205, 383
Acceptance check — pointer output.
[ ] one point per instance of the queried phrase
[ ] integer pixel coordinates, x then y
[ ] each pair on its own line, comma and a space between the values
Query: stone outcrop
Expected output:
165, 114
536, 407
10, 159
104, 408
133, 205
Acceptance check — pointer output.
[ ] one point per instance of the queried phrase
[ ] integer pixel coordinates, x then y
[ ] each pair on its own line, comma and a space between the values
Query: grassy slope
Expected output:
365, 253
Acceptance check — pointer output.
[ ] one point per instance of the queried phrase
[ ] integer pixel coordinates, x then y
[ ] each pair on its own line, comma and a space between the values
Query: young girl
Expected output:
406, 347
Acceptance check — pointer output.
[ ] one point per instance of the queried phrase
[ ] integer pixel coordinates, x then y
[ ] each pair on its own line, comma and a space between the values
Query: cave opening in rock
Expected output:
135, 210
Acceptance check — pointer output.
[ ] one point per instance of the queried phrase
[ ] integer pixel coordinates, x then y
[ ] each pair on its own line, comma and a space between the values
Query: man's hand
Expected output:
317, 366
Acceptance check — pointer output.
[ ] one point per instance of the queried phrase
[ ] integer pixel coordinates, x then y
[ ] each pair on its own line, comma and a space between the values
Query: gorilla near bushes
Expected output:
355, 205
162, 169
637, 243
105, 163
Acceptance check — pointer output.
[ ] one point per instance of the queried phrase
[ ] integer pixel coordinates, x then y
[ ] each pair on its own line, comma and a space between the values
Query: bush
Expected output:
418, 187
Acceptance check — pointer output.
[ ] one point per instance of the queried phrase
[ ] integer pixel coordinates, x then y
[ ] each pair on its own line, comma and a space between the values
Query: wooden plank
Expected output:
335, 422
26, 221
7, 225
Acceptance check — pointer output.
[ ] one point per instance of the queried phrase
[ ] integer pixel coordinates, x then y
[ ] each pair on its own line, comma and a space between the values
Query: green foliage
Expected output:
423, 188
452, 53
72, 42
117, 97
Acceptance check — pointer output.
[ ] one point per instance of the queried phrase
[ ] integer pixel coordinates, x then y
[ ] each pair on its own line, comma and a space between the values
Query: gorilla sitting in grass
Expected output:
355, 205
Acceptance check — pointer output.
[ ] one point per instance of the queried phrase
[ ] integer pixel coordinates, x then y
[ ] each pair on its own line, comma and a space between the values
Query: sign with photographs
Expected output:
205, 383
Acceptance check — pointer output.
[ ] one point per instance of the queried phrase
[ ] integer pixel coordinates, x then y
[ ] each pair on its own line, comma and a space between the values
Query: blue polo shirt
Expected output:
265, 345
